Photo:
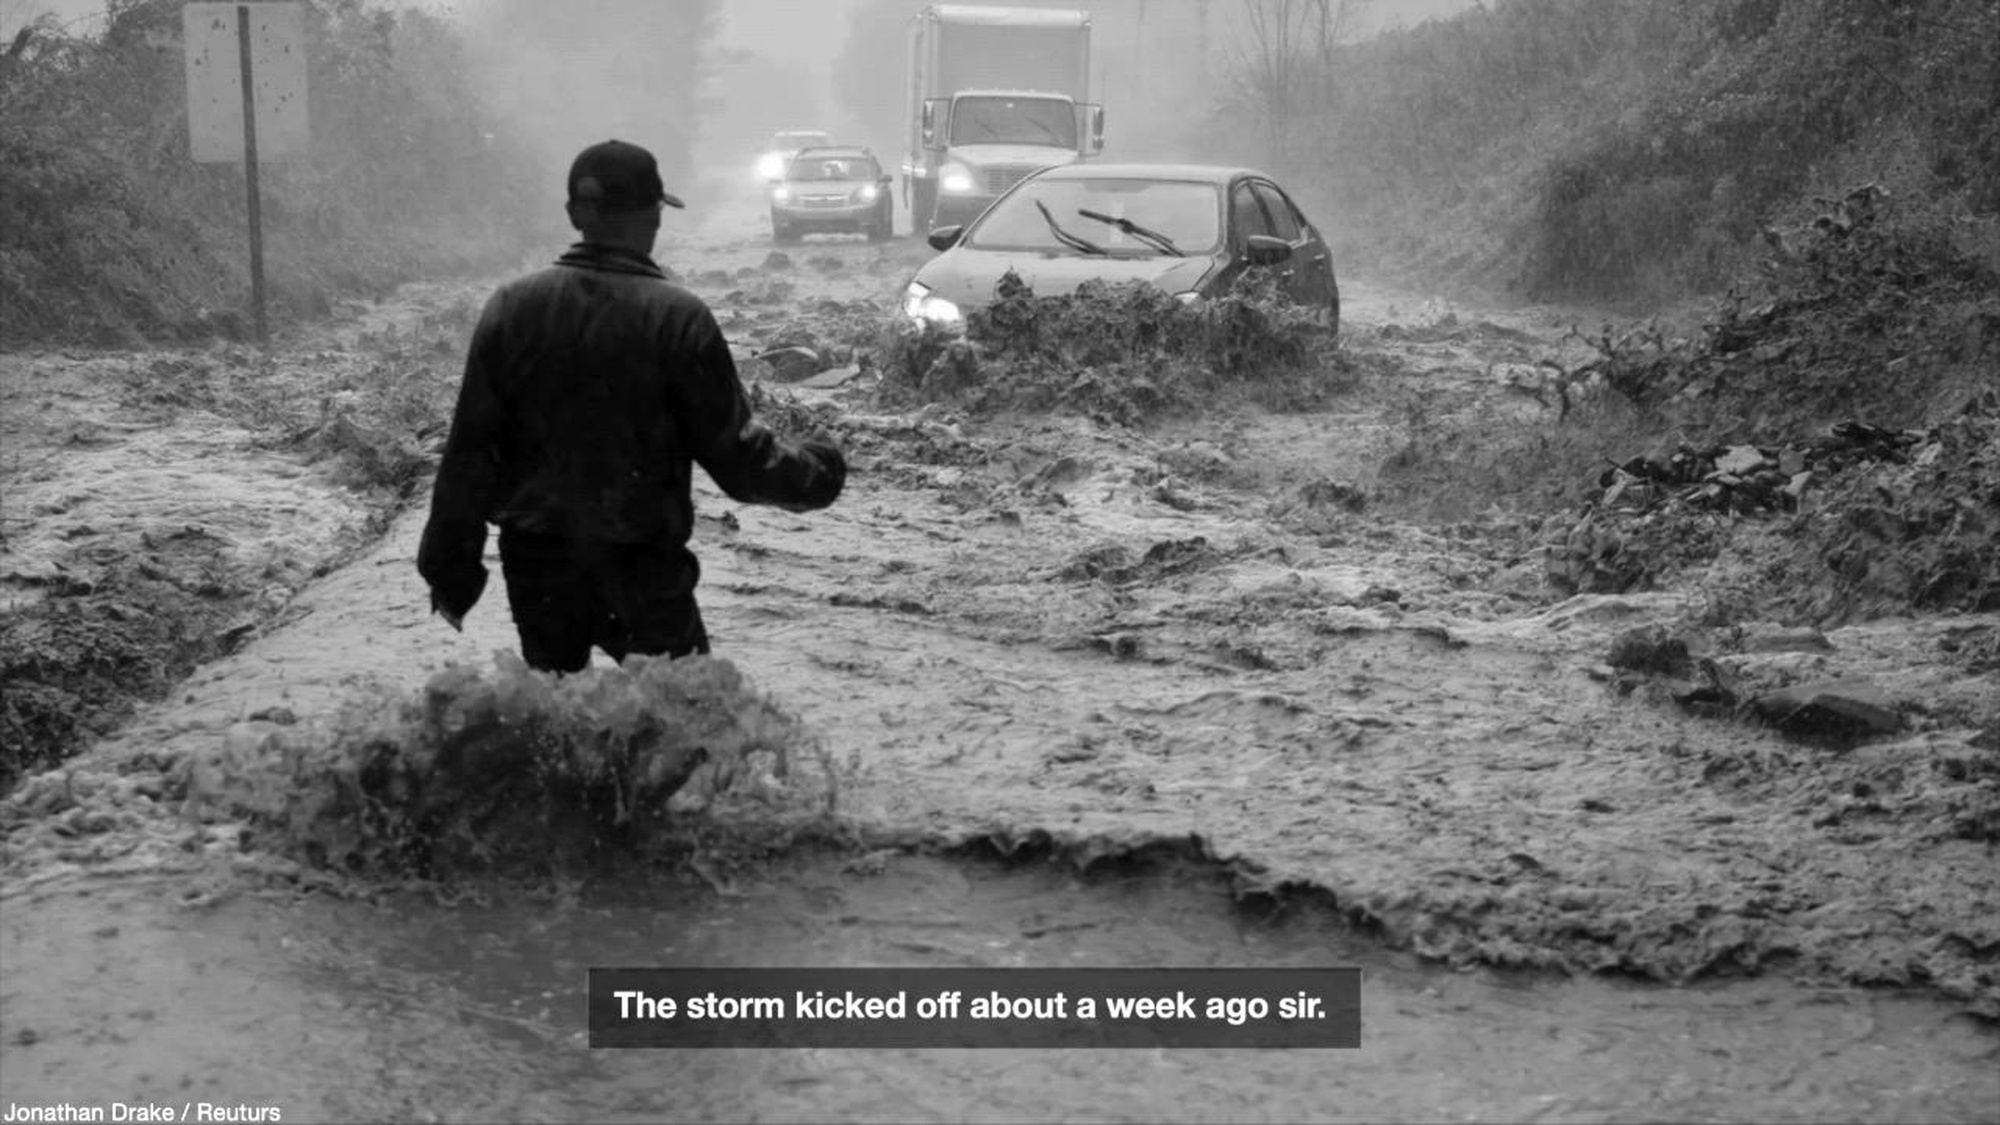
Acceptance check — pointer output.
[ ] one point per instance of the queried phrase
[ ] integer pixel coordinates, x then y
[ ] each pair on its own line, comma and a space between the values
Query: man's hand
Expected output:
825, 448
454, 604
448, 559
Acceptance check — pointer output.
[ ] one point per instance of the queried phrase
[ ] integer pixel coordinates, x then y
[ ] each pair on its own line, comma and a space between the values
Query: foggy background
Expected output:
1158, 67
567, 74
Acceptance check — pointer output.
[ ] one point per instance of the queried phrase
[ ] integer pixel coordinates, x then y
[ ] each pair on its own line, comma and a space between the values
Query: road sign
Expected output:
246, 75
214, 36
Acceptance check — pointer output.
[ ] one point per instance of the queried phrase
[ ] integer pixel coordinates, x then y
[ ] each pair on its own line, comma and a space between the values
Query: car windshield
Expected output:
1013, 121
824, 168
1188, 213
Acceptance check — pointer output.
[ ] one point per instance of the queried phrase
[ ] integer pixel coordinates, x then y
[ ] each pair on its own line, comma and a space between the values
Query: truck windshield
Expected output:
1013, 121
1190, 214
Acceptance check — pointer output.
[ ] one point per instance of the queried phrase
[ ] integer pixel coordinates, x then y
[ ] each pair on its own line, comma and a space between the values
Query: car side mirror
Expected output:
930, 122
1089, 128
1264, 250
944, 238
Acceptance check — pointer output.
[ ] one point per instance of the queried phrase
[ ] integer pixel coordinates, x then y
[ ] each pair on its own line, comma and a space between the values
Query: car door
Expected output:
1305, 275
1246, 218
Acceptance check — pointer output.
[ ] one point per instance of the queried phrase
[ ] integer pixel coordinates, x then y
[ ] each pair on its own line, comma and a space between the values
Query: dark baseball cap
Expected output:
618, 174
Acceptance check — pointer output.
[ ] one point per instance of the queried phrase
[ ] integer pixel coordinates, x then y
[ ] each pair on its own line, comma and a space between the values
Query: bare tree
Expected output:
1284, 64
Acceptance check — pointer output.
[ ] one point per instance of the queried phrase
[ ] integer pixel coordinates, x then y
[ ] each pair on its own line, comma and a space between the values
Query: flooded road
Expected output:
409, 1010
1090, 644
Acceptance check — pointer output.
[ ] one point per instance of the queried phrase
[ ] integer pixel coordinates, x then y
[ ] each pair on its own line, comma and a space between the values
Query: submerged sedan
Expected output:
1189, 229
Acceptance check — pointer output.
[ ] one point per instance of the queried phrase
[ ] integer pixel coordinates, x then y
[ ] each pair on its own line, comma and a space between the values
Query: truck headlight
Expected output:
920, 305
771, 166
956, 178
867, 193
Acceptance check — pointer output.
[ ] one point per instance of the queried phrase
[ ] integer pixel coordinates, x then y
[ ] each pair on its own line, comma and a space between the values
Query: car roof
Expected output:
1204, 173
834, 150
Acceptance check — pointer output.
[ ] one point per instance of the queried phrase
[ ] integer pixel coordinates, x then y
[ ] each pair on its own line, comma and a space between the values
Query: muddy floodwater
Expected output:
1094, 696
409, 1010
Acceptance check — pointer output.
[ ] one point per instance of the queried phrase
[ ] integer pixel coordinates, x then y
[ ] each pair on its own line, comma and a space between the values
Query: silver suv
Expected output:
834, 189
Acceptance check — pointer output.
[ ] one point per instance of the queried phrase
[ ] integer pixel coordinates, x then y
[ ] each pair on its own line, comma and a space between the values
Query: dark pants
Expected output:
625, 598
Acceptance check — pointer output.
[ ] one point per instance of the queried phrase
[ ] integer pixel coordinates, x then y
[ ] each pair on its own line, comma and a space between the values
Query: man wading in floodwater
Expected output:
591, 388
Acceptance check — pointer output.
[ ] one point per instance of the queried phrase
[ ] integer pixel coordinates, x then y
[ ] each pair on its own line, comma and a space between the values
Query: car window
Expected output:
1284, 217
1188, 213
1245, 216
822, 168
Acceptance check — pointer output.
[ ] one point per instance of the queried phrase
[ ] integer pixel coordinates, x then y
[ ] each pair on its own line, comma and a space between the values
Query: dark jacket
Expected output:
590, 389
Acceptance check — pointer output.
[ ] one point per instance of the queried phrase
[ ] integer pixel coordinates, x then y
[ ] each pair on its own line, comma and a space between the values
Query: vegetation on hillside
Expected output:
1825, 448
110, 232
1825, 174
1604, 149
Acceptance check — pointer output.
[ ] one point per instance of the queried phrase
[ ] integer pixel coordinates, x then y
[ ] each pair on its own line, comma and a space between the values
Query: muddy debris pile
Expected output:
794, 417
514, 770
1114, 563
1749, 479
829, 343
1121, 354
1865, 312
75, 662
1863, 521
1882, 319
125, 609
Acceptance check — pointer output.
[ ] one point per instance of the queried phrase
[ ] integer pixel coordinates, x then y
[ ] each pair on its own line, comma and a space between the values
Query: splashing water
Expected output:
517, 768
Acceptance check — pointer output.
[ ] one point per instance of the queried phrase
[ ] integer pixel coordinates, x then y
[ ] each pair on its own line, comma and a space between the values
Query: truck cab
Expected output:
996, 94
989, 140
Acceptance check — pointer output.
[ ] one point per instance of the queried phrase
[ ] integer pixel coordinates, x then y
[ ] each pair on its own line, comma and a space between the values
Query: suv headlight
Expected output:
919, 304
780, 194
956, 178
866, 193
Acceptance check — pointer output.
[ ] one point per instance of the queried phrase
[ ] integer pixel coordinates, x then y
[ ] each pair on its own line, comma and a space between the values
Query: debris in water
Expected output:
1649, 648
1781, 638
791, 364
1851, 707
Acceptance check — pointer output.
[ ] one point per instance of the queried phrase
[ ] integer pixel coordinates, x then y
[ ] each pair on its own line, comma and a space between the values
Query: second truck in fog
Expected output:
995, 94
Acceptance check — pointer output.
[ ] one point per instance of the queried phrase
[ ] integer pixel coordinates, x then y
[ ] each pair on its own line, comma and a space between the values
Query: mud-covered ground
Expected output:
1226, 632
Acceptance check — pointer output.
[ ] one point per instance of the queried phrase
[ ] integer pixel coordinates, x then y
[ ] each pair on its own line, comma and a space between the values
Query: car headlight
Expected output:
780, 193
867, 193
956, 178
771, 165
919, 304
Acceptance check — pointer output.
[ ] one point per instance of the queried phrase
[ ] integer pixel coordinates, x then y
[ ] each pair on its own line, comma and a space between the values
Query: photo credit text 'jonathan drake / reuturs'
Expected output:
191, 1112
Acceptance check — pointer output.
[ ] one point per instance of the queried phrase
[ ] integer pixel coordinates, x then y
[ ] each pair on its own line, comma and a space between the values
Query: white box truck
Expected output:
995, 94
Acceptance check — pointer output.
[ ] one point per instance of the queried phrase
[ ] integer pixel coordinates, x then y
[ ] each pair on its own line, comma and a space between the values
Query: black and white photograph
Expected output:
1055, 561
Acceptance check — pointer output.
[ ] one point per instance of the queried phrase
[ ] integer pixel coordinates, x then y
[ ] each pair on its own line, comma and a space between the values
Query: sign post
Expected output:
246, 77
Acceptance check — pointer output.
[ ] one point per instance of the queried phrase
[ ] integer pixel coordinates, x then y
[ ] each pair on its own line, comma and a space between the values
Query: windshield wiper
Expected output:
1136, 231
1065, 237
